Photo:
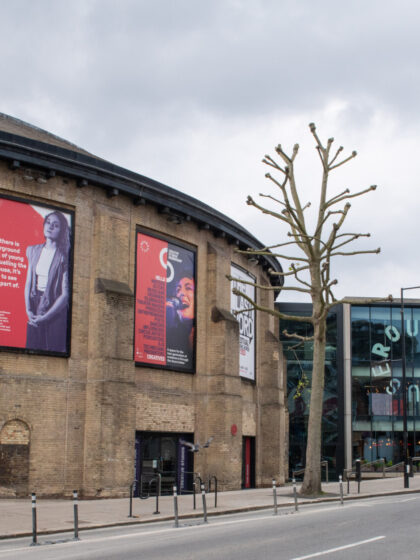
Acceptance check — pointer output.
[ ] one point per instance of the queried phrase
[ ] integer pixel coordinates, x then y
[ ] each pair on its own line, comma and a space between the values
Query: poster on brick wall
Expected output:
165, 304
35, 277
246, 321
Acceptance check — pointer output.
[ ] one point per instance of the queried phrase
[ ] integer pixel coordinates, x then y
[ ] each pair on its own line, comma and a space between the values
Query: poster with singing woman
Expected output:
35, 277
165, 304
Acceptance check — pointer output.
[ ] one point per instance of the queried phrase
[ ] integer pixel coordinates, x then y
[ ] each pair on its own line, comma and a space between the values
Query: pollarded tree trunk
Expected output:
312, 480
315, 251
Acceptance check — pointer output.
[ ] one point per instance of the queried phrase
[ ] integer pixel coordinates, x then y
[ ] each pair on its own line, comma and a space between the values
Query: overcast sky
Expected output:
193, 93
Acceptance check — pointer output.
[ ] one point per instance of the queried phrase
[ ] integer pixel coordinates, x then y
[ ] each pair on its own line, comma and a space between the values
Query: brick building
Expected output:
115, 399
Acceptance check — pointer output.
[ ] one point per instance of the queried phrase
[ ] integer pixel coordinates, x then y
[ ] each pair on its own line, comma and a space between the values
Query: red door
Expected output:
248, 462
247, 477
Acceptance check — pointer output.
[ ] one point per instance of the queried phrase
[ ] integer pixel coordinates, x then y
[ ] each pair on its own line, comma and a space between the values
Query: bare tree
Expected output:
311, 269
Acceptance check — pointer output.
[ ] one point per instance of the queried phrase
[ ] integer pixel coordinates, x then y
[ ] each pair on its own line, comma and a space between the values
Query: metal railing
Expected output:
358, 468
397, 468
214, 478
197, 486
372, 468
154, 479
302, 471
194, 490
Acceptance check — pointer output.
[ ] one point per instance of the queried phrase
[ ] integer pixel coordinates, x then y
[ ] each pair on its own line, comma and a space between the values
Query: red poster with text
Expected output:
26, 318
165, 304
150, 327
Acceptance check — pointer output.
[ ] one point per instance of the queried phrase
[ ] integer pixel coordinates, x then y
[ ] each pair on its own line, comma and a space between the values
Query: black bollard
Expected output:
275, 496
34, 535
130, 507
295, 494
175, 506
76, 515
203, 494
157, 494
358, 474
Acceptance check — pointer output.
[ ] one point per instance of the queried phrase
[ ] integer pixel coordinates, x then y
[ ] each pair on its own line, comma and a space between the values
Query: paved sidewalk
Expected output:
57, 515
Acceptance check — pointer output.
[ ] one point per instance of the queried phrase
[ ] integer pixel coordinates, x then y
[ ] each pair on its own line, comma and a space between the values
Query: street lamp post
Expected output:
404, 385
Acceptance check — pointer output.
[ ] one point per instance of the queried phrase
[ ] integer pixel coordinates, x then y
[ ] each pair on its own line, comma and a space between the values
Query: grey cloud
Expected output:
226, 57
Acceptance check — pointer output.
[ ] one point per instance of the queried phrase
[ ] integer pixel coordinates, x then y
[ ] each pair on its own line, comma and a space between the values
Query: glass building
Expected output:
377, 385
363, 397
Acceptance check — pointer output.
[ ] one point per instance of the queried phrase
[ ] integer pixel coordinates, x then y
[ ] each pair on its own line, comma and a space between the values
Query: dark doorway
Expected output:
162, 453
248, 462
14, 456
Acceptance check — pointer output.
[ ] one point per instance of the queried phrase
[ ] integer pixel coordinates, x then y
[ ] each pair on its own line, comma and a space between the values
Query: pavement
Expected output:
57, 515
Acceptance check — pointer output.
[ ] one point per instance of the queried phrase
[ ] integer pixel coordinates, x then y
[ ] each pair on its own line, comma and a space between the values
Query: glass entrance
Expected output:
162, 453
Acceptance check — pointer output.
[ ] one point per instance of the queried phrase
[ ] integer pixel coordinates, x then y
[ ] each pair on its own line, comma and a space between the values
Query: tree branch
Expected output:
290, 273
268, 160
298, 336
292, 266
352, 238
340, 149
294, 289
254, 284
255, 252
360, 301
353, 155
372, 252
294, 212
346, 196
312, 128
283, 154
295, 151
272, 198
271, 311
333, 199
335, 229
251, 202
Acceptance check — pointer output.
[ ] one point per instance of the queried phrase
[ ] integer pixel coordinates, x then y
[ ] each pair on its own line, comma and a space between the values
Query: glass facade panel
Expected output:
377, 388
299, 372
413, 330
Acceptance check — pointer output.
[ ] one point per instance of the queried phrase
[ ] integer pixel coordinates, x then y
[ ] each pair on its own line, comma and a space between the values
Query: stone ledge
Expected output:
218, 314
104, 285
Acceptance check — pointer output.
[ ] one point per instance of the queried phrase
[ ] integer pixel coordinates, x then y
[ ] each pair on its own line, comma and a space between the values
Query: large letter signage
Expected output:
165, 304
393, 335
246, 321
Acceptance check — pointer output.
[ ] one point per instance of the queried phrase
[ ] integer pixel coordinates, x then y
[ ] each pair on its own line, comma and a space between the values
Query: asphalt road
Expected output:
380, 528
